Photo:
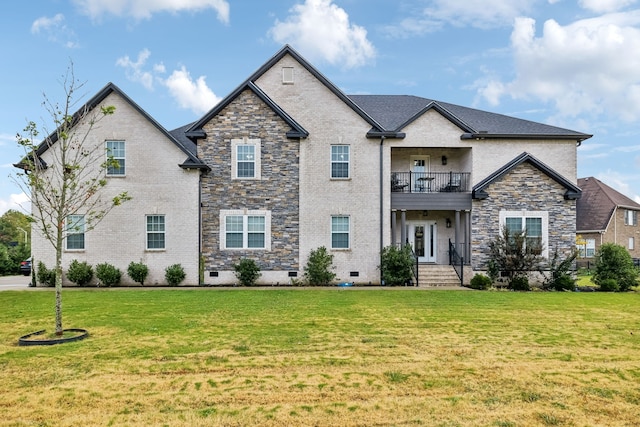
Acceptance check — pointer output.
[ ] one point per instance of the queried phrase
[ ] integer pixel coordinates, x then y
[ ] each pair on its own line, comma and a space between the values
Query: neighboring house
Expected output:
159, 226
606, 216
296, 164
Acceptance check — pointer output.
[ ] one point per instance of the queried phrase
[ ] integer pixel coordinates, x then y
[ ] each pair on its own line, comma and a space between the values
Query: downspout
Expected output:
381, 204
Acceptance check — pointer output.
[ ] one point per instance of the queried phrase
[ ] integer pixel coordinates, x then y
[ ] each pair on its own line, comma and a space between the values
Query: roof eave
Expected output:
374, 133
482, 135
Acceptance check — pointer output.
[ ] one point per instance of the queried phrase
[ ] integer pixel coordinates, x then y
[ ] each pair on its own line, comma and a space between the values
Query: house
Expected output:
295, 164
159, 225
605, 215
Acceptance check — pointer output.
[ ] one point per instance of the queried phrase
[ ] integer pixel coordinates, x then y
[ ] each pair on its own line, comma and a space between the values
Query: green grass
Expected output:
323, 357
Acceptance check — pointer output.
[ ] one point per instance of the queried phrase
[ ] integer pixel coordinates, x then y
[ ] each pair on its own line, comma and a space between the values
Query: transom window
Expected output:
339, 161
245, 162
116, 158
75, 228
249, 230
155, 232
340, 229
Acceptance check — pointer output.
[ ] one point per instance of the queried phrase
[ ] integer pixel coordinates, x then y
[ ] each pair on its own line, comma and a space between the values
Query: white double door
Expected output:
422, 236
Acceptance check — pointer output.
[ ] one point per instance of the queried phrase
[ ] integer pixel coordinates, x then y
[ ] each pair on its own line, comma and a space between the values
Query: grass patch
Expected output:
322, 357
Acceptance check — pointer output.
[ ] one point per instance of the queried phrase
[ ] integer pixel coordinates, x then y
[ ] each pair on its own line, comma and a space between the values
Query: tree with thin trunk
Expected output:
64, 174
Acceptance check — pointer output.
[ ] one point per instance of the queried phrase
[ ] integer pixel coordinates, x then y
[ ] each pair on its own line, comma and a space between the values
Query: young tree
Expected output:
65, 173
515, 255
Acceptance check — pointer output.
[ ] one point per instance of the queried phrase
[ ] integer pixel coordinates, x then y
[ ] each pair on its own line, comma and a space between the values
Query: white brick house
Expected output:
159, 225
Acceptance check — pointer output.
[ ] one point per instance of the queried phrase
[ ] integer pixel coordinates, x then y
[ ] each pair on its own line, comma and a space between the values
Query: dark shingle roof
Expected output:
598, 202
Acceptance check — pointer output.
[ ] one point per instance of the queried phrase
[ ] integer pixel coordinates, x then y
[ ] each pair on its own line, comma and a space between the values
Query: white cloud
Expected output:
56, 30
484, 14
321, 31
619, 182
584, 68
190, 94
143, 9
19, 202
604, 6
135, 70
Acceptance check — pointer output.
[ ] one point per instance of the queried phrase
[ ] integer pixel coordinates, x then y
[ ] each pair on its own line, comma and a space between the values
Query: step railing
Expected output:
456, 261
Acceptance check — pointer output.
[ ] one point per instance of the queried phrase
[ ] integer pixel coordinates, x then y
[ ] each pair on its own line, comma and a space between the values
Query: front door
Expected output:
422, 237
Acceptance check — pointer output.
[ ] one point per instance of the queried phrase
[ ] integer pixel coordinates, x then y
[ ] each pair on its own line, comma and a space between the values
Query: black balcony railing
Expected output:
430, 182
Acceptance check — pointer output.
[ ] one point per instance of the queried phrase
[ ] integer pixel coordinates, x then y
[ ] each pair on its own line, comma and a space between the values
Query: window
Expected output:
250, 230
287, 75
588, 249
75, 232
632, 243
116, 157
245, 158
339, 161
339, 232
534, 225
155, 232
630, 217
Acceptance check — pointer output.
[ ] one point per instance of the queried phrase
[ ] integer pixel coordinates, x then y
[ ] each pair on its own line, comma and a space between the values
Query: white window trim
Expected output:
630, 217
348, 162
146, 234
224, 213
349, 232
632, 243
112, 175
287, 75
530, 214
73, 232
234, 157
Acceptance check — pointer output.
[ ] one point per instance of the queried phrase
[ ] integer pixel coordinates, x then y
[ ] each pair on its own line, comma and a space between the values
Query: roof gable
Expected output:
598, 204
479, 190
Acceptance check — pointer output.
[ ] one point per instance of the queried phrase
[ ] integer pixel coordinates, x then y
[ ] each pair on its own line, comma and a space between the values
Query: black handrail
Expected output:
430, 182
456, 261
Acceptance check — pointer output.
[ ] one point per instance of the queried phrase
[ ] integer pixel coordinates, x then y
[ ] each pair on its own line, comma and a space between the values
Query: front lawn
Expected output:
347, 357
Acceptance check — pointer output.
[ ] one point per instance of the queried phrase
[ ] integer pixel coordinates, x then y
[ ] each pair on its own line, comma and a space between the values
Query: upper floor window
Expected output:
339, 161
630, 217
155, 232
116, 158
240, 230
75, 232
340, 230
533, 225
245, 162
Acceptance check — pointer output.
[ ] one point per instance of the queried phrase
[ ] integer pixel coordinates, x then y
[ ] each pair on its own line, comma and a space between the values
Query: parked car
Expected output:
25, 267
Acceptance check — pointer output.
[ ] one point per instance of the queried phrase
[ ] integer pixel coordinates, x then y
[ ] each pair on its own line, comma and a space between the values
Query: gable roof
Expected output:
190, 163
597, 205
479, 190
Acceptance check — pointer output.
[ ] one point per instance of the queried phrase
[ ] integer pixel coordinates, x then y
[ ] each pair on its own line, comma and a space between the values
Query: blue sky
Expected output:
573, 64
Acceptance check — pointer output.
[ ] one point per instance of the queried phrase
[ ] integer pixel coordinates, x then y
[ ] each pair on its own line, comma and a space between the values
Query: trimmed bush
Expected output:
397, 265
247, 272
480, 282
564, 283
519, 283
174, 274
45, 276
318, 269
609, 285
80, 273
108, 275
614, 262
138, 272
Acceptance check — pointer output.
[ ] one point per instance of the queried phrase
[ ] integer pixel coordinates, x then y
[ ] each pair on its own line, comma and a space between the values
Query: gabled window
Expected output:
240, 230
630, 217
155, 232
75, 229
339, 161
116, 158
245, 161
340, 230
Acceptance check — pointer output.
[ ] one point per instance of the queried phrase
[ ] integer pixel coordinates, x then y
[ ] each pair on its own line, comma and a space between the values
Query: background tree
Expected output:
65, 173
15, 232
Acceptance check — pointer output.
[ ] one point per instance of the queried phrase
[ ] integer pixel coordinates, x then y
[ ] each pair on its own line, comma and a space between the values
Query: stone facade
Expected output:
276, 190
525, 188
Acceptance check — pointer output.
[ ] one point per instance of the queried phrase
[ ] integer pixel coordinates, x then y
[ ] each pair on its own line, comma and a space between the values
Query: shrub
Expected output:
515, 255
396, 265
108, 275
80, 273
174, 274
614, 262
559, 276
45, 276
138, 272
247, 272
519, 283
319, 266
481, 282
609, 285
564, 283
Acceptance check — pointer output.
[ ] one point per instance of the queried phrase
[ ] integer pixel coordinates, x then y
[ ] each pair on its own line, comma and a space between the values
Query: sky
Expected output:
573, 64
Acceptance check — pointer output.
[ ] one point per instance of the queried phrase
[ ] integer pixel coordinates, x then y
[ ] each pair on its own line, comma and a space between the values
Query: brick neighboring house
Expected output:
296, 164
605, 215
159, 226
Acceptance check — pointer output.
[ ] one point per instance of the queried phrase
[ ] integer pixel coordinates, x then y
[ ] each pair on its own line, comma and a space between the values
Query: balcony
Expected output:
430, 182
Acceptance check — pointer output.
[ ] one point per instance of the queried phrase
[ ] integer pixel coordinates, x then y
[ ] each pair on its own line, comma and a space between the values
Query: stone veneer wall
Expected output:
524, 188
276, 191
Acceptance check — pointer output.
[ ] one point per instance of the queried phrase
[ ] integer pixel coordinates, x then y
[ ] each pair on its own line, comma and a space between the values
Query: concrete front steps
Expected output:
433, 275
